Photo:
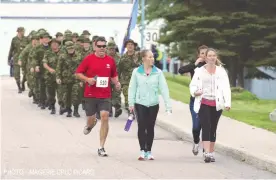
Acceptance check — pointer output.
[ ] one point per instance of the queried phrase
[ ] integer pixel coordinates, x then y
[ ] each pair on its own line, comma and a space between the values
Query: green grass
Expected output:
246, 107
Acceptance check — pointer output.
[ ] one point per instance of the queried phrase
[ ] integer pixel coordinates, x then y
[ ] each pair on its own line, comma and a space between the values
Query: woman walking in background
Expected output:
143, 96
211, 88
190, 69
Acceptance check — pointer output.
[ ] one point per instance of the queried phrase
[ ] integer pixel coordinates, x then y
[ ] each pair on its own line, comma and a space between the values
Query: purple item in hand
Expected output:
129, 121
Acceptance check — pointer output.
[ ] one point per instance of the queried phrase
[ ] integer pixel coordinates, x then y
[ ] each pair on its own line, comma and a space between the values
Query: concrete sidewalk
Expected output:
246, 143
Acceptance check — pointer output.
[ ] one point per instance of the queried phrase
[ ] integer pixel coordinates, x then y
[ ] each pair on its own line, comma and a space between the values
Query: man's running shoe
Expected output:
88, 129
212, 156
207, 157
102, 153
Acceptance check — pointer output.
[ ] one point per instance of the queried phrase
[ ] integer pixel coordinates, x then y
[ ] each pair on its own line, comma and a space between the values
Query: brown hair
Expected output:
100, 38
144, 52
218, 62
200, 48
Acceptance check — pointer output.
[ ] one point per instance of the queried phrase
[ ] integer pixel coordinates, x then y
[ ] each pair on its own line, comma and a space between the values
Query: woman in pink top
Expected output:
211, 88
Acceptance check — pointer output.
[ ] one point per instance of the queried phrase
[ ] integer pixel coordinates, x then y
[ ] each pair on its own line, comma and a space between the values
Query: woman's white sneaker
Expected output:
150, 156
142, 156
195, 149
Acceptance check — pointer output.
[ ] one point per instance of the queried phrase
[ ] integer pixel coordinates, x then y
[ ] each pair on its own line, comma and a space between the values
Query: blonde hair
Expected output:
218, 62
144, 52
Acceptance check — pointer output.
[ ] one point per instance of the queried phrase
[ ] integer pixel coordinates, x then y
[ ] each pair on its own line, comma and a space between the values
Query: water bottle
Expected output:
95, 77
129, 121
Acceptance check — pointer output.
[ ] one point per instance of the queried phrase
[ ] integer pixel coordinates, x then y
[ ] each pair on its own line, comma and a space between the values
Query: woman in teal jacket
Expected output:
143, 96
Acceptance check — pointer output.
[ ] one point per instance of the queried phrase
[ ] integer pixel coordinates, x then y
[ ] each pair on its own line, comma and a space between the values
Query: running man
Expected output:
98, 71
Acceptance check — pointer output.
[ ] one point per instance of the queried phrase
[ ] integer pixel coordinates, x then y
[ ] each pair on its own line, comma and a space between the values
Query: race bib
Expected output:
102, 82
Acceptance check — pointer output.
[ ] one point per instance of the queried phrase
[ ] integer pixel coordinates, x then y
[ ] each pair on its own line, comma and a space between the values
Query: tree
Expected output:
242, 30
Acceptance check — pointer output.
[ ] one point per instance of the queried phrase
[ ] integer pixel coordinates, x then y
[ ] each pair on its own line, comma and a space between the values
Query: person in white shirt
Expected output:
211, 88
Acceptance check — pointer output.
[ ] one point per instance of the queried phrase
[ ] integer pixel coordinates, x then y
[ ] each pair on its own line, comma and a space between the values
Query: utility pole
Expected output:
142, 23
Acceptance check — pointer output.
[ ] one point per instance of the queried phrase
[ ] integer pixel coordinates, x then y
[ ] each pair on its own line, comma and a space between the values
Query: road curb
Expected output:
262, 163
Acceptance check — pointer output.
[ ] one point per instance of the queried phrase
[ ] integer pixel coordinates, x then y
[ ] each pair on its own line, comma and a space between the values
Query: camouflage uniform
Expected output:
116, 95
75, 37
79, 44
17, 46
62, 50
89, 50
84, 54
51, 59
32, 78
67, 65
86, 34
59, 34
40, 86
24, 58
125, 67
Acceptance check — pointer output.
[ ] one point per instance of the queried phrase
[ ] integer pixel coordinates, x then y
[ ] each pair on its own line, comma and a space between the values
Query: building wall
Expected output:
264, 89
100, 19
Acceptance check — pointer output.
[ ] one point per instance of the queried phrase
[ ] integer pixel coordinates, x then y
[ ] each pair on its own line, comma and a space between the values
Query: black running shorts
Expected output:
94, 105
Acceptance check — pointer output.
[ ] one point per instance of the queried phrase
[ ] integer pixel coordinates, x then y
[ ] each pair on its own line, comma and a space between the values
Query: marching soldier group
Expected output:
48, 66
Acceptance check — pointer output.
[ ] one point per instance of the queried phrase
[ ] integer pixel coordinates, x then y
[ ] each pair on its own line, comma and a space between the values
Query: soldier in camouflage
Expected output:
68, 32
65, 74
59, 37
18, 43
30, 35
62, 50
50, 63
38, 55
86, 34
86, 50
116, 95
79, 44
128, 62
75, 37
93, 42
24, 62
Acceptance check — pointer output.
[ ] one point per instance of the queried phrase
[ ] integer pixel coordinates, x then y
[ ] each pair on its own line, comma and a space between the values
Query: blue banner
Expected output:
131, 24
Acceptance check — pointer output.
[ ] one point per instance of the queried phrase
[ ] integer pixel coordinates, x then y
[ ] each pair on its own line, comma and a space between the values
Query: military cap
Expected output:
94, 38
32, 32
59, 34
45, 35
20, 29
129, 41
81, 38
41, 30
69, 45
35, 36
75, 35
86, 32
111, 44
68, 32
54, 40
68, 37
86, 40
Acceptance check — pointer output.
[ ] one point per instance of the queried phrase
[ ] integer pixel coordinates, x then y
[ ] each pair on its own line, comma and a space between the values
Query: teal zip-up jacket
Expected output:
145, 89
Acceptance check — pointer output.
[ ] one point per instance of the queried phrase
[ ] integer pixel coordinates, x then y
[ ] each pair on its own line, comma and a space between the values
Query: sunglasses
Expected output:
101, 46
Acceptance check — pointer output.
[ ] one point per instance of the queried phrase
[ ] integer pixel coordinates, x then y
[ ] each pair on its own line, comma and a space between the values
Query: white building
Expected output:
99, 18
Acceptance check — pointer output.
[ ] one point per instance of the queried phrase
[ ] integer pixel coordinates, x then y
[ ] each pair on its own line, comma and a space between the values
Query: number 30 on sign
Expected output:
151, 35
